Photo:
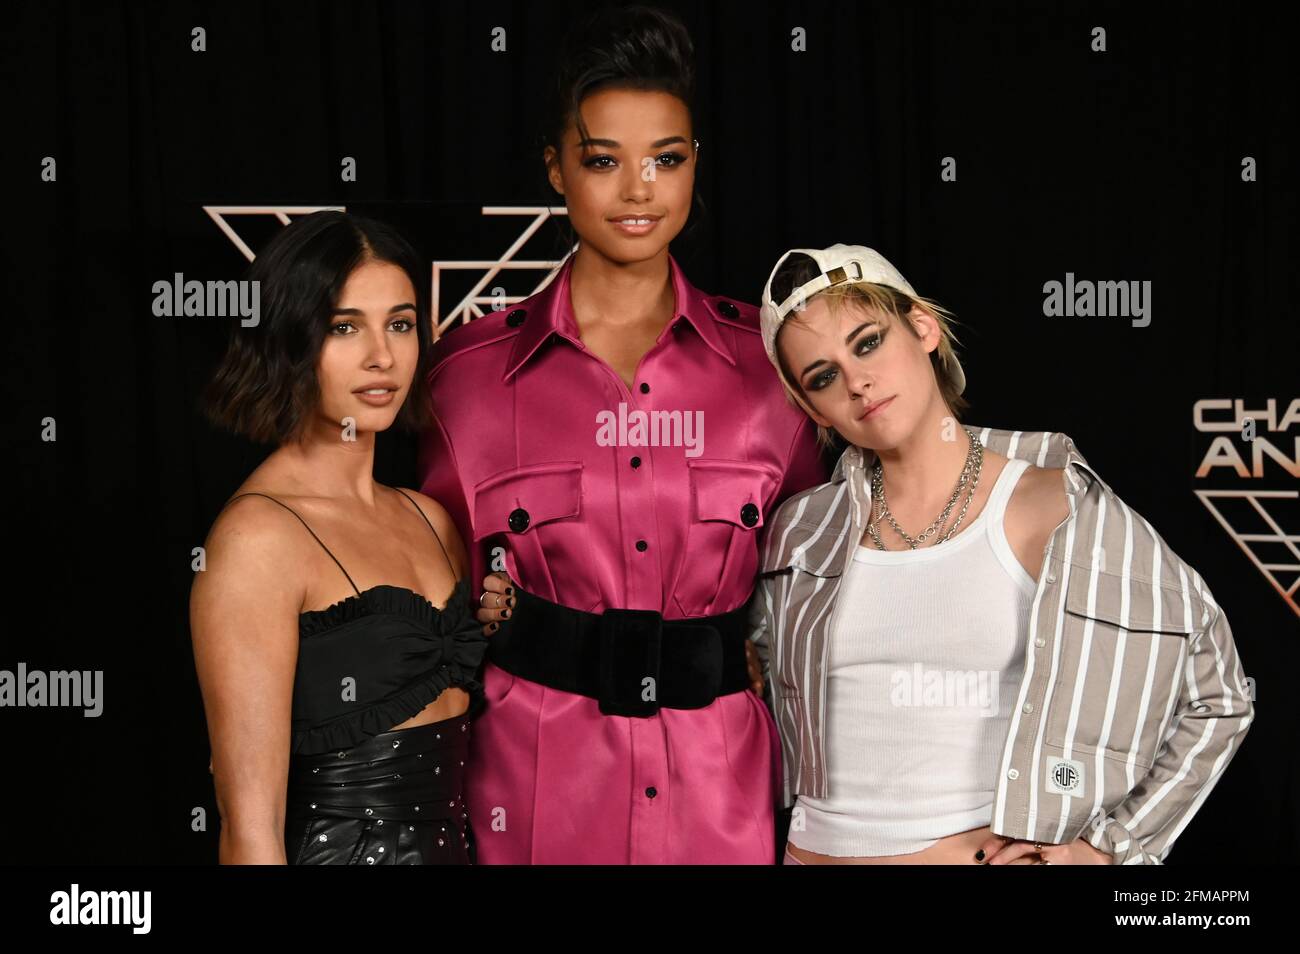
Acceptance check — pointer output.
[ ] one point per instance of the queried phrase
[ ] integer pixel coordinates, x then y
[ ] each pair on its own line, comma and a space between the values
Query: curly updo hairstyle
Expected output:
635, 48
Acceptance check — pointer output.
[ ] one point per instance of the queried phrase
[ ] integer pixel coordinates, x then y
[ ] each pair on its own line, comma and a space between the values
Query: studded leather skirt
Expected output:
394, 799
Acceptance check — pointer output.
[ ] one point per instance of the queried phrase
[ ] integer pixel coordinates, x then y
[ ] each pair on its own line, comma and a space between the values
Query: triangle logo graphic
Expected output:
1256, 521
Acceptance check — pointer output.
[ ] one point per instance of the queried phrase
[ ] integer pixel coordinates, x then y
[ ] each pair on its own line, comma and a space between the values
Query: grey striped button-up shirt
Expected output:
1132, 701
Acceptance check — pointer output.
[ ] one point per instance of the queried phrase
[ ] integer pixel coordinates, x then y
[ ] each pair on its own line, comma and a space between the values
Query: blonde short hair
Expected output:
893, 305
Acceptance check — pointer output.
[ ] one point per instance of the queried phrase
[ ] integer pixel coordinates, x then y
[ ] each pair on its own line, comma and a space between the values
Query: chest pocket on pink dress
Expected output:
534, 511
728, 498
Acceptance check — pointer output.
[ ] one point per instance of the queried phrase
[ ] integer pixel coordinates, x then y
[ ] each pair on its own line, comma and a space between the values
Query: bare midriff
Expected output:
450, 703
958, 849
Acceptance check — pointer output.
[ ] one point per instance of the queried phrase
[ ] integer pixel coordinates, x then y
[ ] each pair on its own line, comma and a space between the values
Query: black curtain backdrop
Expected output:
1116, 165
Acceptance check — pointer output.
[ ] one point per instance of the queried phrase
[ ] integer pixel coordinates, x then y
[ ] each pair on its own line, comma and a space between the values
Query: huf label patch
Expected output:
1064, 776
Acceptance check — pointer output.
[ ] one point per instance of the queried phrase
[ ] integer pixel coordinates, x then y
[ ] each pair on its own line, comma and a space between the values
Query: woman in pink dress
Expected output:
615, 443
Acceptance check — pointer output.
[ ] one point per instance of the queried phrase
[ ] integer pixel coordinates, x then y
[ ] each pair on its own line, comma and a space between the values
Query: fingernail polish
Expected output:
493, 628
979, 855
510, 591
505, 614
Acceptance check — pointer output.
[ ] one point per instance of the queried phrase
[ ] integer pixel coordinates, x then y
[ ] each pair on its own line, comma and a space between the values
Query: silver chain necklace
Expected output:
970, 474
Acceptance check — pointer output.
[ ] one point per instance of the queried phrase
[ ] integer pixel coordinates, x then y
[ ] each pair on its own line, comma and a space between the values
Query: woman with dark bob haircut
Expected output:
337, 714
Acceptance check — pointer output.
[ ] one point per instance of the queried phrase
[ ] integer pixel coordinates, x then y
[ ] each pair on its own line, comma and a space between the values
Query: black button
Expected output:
516, 317
645, 388
749, 515
651, 792
519, 520
642, 545
728, 309
636, 461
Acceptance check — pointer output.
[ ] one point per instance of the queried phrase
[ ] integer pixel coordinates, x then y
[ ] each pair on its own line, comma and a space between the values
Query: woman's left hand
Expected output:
1012, 851
496, 602
755, 668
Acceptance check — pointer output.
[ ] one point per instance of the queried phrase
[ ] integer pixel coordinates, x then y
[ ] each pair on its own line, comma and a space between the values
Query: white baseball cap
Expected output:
838, 264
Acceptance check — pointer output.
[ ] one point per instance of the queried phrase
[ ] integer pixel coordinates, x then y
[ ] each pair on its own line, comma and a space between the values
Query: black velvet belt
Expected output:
632, 661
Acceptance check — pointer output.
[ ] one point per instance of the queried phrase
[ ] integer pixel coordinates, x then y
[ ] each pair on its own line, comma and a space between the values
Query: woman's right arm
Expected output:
244, 626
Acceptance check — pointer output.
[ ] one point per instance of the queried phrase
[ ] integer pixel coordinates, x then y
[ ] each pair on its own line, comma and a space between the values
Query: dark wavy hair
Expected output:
265, 387
635, 47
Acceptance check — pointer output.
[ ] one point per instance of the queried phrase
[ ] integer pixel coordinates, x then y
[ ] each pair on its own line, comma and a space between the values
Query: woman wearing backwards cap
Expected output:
979, 654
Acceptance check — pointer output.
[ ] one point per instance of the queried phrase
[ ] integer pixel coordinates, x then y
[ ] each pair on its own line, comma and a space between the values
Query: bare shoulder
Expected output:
1040, 495
1049, 487
443, 524
1039, 503
254, 522
435, 511
258, 524
252, 546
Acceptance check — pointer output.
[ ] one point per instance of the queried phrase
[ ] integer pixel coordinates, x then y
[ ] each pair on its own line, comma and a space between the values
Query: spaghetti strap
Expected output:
451, 566
252, 493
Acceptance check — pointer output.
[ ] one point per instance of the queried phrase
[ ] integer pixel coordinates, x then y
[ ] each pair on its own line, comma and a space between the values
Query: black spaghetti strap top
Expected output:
375, 659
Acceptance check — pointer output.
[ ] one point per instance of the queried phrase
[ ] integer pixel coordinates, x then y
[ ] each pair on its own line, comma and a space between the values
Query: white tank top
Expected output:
926, 655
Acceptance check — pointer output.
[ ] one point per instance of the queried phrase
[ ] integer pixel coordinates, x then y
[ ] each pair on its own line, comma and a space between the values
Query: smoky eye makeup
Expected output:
869, 338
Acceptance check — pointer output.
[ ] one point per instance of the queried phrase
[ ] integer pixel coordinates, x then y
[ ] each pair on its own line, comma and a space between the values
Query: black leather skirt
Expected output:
397, 798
